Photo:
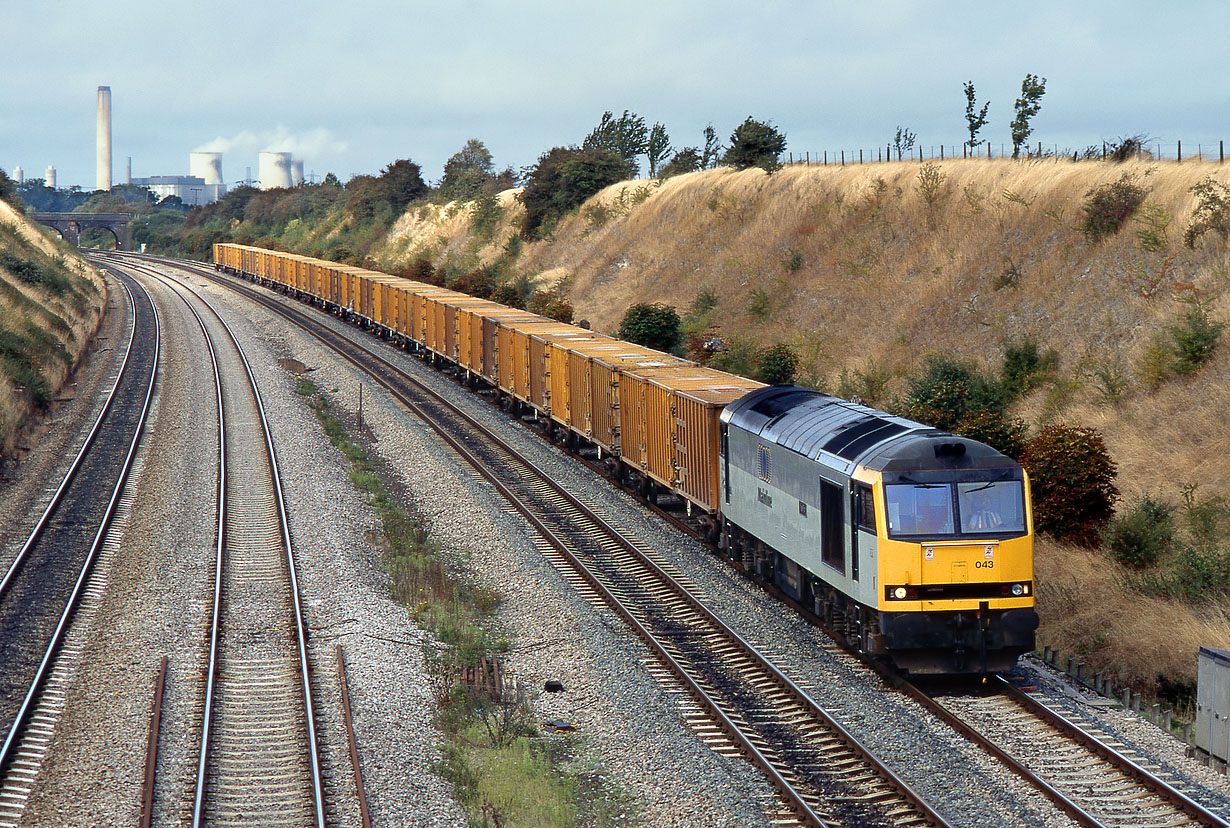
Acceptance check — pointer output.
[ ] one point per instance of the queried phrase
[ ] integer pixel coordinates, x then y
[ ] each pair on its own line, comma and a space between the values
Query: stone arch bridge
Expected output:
70, 225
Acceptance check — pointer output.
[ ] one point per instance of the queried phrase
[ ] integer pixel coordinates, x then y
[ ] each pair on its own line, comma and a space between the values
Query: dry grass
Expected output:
1088, 608
53, 322
877, 273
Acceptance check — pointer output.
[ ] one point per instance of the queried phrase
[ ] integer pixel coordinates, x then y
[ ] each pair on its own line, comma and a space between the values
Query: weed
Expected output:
867, 385
1154, 365
974, 199
793, 261
760, 304
1010, 276
1016, 198
1212, 211
931, 183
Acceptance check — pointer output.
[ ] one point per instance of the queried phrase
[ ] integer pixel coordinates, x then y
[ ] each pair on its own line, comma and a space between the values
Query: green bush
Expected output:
1193, 339
1007, 435
652, 325
1140, 534
1024, 367
1108, 207
777, 364
948, 391
1072, 478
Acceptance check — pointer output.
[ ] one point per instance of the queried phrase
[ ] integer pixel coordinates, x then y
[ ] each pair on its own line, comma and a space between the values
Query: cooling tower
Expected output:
273, 170
206, 165
19, 175
104, 138
296, 171
50, 177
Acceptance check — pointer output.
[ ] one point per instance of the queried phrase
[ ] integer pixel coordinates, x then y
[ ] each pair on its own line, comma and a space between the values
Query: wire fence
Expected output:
1178, 152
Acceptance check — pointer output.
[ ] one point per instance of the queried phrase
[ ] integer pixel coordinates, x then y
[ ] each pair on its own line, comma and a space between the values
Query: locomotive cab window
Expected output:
865, 508
919, 509
991, 507
951, 509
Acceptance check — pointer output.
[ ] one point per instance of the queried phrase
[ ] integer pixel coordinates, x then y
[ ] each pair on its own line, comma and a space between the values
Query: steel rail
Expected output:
284, 530
1147, 779
58, 496
365, 365
1116, 759
57, 637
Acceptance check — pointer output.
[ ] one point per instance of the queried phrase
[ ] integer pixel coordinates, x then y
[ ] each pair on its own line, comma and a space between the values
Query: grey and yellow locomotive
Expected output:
915, 543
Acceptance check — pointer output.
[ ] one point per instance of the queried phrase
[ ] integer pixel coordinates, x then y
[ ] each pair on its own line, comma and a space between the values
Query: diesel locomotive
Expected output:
916, 545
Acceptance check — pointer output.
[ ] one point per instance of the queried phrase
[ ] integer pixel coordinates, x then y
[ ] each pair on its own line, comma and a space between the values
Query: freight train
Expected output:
914, 544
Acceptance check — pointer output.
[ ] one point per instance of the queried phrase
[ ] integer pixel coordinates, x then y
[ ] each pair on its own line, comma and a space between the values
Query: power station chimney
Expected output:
104, 138
128, 176
50, 177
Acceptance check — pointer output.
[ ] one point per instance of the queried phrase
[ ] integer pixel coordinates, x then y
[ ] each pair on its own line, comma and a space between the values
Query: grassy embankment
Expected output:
866, 269
51, 304
502, 770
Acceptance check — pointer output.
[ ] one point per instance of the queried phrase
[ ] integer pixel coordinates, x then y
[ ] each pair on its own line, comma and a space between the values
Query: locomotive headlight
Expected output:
899, 593
1018, 590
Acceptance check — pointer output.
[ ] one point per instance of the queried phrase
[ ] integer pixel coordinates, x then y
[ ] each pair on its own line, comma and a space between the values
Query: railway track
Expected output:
52, 581
1091, 781
1084, 770
824, 775
259, 760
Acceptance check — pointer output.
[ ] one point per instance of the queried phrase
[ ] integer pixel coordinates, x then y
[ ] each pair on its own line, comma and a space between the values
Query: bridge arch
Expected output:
70, 225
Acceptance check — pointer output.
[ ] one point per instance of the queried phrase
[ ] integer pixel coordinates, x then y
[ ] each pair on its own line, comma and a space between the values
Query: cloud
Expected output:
314, 143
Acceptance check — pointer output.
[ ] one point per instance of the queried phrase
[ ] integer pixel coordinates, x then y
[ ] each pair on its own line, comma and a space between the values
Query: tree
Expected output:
468, 172
562, 180
1027, 106
657, 148
652, 325
755, 144
625, 137
331, 181
685, 160
903, 141
713, 149
403, 182
975, 122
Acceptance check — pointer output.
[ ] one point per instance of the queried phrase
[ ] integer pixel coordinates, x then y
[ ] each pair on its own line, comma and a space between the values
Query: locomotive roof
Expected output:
815, 424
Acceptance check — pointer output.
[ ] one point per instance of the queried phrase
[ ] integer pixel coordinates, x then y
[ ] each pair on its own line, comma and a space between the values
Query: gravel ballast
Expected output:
631, 736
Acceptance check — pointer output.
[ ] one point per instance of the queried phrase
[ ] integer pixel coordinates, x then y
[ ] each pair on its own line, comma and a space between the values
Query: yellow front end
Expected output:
962, 573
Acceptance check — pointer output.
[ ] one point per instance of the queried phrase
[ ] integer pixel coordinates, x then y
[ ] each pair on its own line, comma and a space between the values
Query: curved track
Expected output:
259, 761
1087, 779
821, 771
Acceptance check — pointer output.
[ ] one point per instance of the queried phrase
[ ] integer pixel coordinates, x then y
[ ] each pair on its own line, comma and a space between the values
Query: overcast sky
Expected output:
350, 86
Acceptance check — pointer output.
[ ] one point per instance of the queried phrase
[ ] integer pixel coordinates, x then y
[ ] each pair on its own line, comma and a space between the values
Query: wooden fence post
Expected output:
1179, 160
843, 158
